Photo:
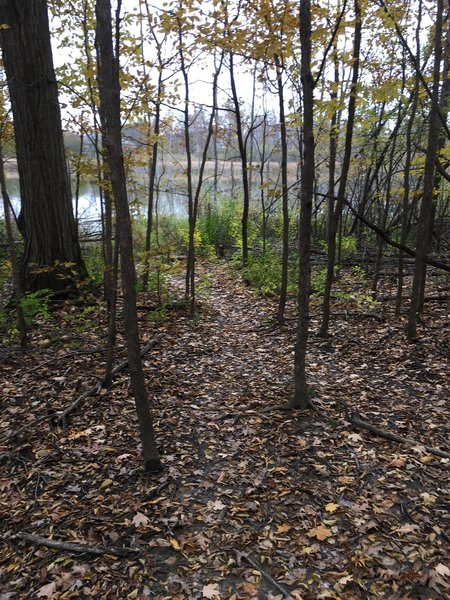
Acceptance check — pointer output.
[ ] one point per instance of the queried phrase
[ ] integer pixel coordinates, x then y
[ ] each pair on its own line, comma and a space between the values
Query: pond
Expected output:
88, 209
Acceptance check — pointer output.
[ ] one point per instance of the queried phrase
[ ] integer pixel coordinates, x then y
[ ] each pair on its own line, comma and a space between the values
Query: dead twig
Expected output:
77, 548
94, 391
264, 573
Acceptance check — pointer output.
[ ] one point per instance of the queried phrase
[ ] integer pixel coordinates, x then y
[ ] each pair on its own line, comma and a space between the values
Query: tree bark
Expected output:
52, 257
284, 193
109, 90
301, 396
244, 166
426, 207
334, 219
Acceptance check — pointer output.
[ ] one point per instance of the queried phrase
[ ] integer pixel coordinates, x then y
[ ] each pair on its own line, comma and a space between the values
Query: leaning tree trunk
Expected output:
109, 90
52, 257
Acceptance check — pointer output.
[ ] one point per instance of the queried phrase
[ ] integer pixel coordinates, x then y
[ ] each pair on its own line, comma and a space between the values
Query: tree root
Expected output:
240, 556
359, 423
77, 548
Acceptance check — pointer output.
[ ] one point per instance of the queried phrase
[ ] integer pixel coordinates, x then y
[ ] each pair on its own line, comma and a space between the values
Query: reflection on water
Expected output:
88, 208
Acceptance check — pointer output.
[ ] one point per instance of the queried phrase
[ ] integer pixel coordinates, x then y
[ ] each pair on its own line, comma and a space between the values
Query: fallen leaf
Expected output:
345, 579
284, 528
442, 570
217, 505
331, 507
427, 499
140, 519
174, 543
320, 532
211, 590
47, 591
106, 484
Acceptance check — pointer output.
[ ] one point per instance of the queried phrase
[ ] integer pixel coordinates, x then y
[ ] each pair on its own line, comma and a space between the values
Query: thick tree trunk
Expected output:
109, 89
52, 253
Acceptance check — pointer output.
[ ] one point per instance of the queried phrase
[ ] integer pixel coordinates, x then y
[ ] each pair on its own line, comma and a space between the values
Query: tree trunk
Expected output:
52, 256
109, 90
407, 184
244, 165
334, 219
301, 396
426, 208
284, 193
331, 225
153, 158
21, 323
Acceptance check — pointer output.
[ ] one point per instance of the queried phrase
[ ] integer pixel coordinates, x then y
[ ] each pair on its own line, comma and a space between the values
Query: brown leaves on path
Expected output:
317, 509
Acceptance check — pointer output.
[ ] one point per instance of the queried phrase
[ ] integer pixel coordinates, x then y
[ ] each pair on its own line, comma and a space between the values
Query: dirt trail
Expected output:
250, 503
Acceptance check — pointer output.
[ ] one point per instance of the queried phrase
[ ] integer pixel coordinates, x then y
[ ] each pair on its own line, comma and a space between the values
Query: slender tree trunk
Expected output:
109, 89
190, 263
333, 225
21, 323
153, 158
426, 208
106, 204
112, 316
244, 165
301, 395
407, 185
284, 193
383, 222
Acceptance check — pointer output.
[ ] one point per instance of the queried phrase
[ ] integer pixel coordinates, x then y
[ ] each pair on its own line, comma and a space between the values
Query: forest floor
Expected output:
252, 503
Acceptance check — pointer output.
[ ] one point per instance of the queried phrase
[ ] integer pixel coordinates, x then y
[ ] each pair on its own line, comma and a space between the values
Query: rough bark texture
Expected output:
109, 89
301, 399
46, 219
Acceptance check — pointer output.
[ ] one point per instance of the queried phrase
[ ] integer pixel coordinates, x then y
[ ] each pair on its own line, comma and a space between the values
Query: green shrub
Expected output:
35, 305
158, 315
219, 227
264, 273
93, 260
318, 279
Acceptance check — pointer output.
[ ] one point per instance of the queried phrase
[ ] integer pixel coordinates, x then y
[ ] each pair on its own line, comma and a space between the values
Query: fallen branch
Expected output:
77, 548
384, 236
357, 422
94, 391
264, 573
155, 340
